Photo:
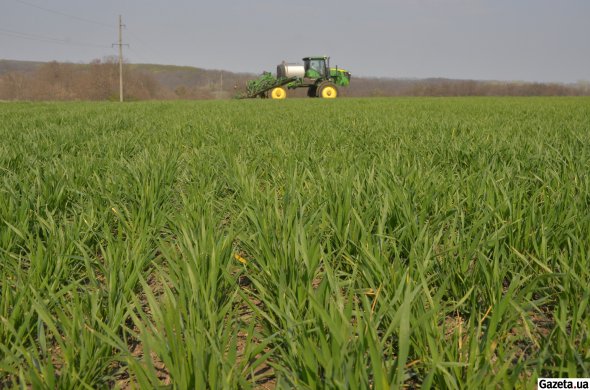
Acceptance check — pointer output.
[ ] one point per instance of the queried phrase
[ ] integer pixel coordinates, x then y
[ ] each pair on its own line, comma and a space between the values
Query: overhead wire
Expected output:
142, 44
42, 38
137, 56
109, 25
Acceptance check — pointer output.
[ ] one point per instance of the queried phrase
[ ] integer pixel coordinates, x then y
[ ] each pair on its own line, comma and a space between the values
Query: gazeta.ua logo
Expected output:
563, 383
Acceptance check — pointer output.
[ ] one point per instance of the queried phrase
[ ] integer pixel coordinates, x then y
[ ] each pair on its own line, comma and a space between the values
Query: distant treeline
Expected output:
99, 80
449, 87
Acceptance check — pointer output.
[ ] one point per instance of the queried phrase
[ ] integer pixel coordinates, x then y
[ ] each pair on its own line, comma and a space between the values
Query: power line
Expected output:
42, 38
137, 56
65, 14
143, 44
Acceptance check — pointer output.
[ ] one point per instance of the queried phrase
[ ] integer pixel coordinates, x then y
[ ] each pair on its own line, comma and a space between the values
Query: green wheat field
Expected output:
307, 244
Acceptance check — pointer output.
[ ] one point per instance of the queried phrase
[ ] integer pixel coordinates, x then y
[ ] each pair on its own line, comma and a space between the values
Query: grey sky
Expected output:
532, 40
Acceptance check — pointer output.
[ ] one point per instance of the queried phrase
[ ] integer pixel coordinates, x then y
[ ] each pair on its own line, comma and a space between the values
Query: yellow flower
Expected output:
240, 259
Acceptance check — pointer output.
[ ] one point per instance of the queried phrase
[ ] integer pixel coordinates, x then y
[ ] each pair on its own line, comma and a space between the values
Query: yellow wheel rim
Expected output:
329, 92
278, 93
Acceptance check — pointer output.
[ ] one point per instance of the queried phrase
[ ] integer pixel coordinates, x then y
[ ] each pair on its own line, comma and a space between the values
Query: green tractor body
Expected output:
315, 74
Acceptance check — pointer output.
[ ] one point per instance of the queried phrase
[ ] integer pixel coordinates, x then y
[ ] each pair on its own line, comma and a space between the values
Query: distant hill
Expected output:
184, 81
173, 76
31, 80
7, 66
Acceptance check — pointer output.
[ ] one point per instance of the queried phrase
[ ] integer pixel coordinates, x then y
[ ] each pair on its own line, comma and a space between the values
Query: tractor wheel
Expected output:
312, 92
327, 90
278, 93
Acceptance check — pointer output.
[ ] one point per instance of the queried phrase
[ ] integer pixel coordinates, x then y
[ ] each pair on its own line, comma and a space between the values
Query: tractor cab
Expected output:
317, 67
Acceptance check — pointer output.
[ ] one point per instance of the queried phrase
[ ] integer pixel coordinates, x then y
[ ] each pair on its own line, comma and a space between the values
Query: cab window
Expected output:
317, 65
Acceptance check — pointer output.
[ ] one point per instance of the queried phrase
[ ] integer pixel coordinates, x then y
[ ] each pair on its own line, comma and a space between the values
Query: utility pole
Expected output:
120, 44
120, 59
